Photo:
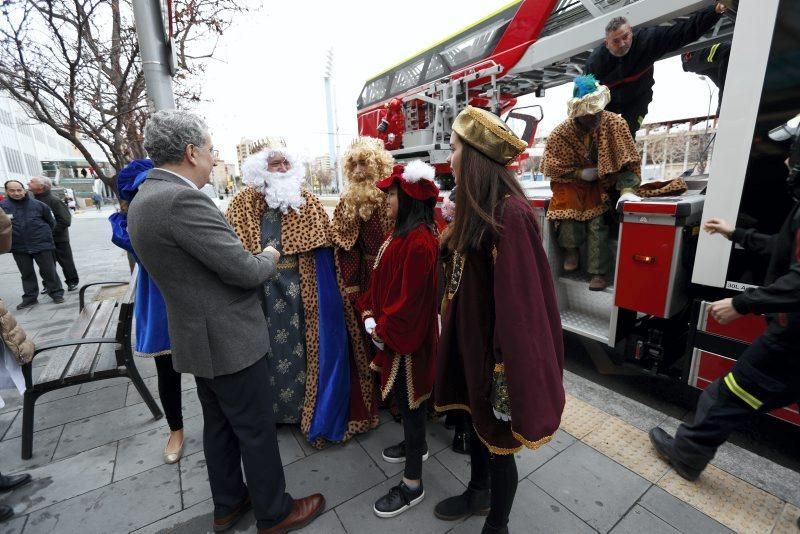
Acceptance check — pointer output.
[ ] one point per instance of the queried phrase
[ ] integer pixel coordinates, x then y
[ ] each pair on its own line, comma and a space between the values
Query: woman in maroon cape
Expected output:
400, 313
501, 352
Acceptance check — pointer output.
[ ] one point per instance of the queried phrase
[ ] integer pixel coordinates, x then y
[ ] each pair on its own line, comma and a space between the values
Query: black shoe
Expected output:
461, 443
23, 305
396, 454
490, 529
10, 482
471, 502
58, 300
399, 499
664, 445
72, 287
44, 291
6, 513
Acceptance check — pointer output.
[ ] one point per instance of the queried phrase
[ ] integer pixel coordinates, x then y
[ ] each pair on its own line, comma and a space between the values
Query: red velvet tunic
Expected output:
402, 299
504, 313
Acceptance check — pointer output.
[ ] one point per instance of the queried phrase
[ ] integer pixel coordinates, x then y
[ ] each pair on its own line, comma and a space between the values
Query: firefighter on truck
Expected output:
767, 375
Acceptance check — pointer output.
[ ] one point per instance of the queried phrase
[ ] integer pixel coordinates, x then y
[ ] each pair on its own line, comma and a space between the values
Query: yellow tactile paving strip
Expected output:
628, 446
580, 418
729, 500
787, 522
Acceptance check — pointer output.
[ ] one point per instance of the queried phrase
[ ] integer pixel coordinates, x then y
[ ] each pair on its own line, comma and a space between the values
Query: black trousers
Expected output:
766, 377
67, 263
47, 269
497, 472
413, 427
239, 426
169, 389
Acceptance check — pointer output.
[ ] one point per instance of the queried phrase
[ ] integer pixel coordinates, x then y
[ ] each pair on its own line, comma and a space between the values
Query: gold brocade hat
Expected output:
485, 132
588, 97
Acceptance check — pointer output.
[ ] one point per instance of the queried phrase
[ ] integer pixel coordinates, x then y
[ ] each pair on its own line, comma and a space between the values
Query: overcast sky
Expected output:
267, 76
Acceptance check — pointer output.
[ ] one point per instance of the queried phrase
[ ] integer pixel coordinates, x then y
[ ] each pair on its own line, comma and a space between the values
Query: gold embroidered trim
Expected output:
289, 264
455, 277
392, 377
349, 290
511, 139
152, 354
494, 254
499, 366
413, 404
497, 450
381, 250
366, 314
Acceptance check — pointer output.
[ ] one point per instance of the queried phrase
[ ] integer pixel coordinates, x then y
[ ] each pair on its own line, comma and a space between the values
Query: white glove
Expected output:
370, 325
628, 197
501, 416
589, 174
379, 345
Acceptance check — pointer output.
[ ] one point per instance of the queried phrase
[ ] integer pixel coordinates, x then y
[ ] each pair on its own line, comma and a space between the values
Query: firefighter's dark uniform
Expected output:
630, 77
767, 375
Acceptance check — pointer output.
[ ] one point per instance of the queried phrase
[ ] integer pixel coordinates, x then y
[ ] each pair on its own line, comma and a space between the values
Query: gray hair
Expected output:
615, 24
169, 132
44, 180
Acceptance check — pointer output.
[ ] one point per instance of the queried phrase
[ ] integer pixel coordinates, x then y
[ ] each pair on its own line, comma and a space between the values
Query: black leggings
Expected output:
498, 471
413, 427
169, 389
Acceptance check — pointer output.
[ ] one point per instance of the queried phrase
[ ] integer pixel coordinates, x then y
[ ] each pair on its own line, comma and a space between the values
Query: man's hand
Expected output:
718, 226
723, 311
720, 8
274, 252
589, 174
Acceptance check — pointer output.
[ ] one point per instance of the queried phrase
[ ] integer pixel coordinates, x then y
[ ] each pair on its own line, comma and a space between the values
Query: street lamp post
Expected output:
330, 104
155, 52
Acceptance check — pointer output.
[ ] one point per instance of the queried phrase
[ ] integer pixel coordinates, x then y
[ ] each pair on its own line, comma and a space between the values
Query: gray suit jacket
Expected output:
210, 283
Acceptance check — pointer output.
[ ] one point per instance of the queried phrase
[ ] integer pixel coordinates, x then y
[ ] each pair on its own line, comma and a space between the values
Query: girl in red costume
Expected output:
501, 354
400, 313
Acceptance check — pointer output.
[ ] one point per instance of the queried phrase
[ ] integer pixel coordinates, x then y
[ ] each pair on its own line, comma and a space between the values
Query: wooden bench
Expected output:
97, 347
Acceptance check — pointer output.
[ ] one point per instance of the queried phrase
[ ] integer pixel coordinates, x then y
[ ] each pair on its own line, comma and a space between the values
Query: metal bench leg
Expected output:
136, 378
29, 402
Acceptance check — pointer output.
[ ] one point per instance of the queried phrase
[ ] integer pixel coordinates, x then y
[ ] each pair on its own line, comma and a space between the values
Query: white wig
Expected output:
281, 190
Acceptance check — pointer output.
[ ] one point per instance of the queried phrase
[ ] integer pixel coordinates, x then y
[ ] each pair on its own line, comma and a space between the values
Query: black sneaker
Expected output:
471, 502
396, 454
45, 291
23, 305
58, 300
72, 287
399, 499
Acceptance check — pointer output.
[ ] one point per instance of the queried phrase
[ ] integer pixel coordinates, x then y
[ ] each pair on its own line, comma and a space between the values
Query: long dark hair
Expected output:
412, 213
482, 185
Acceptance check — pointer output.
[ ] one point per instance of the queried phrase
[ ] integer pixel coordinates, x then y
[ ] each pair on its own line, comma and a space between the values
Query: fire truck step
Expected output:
586, 324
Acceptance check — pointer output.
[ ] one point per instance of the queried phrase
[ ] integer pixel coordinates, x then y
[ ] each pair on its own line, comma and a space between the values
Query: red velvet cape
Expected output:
402, 298
504, 313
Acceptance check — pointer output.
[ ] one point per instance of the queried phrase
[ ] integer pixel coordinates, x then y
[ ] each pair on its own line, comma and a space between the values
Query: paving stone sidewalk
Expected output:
97, 463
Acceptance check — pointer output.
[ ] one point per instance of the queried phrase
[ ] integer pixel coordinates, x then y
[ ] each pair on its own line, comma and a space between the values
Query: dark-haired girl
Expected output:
400, 313
501, 352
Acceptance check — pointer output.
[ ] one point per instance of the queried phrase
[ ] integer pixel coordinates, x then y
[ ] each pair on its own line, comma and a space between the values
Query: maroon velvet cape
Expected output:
504, 313
402, 299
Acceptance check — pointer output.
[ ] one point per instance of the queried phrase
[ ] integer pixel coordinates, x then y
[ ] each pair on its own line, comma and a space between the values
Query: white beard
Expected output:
282, 190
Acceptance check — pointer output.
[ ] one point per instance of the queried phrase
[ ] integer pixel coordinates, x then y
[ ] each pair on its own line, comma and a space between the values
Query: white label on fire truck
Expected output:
738, 286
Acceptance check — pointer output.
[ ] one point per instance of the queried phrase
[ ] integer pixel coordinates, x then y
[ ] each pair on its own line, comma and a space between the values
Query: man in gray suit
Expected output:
217, 327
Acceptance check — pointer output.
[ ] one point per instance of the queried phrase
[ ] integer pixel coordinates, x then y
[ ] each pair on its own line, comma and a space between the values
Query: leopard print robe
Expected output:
301, 233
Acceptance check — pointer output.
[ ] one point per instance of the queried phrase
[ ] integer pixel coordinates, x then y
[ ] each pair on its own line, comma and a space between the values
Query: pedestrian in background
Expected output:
41, 187
32, 240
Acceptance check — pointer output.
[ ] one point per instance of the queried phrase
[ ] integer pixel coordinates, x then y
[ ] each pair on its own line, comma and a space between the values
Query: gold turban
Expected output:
485, 132
589, 104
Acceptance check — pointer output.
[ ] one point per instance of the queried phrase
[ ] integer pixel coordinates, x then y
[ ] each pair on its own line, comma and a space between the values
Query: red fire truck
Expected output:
666, 270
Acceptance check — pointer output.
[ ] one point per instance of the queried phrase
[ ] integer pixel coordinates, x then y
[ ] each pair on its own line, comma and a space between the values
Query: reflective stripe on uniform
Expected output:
711, 53
737, 390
